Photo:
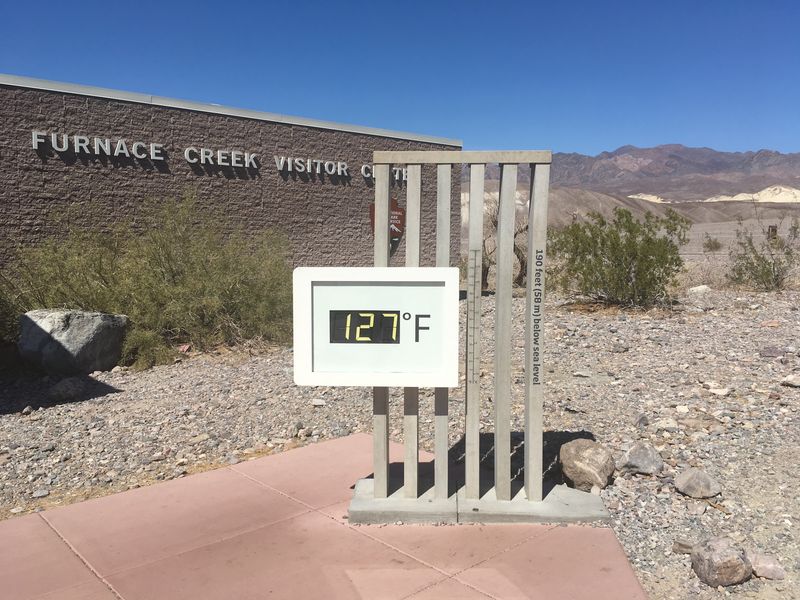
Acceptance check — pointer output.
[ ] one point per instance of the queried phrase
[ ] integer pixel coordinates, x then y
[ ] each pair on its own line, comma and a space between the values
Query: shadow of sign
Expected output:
553, 440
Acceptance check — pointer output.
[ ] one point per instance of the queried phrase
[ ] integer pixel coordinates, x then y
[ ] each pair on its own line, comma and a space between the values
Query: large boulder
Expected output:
71, 342
586, 463
717, 561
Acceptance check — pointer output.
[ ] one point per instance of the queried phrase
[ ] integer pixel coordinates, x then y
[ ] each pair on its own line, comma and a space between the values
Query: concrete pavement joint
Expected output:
433, 585
85, 562
421, 561
386, 544
224, 538
447, 576
272, 489
435, 568
423, 588
403, 552
353, 528
504, 551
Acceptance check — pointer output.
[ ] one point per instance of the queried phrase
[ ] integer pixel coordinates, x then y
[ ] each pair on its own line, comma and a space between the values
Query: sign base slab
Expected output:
366, 509
562, 505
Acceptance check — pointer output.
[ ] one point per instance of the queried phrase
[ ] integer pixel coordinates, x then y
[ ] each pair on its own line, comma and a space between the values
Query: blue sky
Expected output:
570, 76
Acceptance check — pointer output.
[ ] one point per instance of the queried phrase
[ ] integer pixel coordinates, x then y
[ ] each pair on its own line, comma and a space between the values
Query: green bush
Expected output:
8, 321
621, 261
711, 244
768, 264
182, 280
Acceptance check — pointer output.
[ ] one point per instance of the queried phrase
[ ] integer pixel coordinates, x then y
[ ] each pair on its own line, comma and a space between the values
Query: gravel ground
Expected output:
702, 383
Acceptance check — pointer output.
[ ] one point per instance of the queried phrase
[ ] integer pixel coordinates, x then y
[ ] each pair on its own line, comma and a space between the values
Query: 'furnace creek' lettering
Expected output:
61, 142
96, 146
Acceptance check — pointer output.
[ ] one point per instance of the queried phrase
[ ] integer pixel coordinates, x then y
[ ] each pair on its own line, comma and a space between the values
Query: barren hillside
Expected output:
714, 190
672, 172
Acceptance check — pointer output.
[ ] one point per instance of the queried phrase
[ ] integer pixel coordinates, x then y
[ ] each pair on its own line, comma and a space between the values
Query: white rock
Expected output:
666, 424
792, 380
698, 290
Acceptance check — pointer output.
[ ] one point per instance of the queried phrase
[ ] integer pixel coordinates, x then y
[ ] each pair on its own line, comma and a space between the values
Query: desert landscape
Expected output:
711, 383
704, 384
714, 190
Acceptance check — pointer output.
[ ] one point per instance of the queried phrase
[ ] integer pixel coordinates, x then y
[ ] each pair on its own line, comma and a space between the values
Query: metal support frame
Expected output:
539, 162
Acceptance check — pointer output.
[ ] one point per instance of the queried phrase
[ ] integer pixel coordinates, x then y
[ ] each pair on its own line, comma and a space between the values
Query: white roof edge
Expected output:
99, 92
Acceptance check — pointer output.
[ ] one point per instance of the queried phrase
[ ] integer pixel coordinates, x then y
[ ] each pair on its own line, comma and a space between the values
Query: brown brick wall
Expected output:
326, 219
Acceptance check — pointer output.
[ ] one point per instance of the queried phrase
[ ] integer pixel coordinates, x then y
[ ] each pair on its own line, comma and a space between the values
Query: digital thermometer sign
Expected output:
365, 327
376, 326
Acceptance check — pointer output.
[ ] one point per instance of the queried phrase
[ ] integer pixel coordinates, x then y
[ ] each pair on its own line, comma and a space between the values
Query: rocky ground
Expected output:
702, 383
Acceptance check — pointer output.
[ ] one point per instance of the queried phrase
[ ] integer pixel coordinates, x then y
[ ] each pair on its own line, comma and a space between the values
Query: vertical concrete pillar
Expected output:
502, 338
473, 353
534, 331
440, 408
380, 395
411, 394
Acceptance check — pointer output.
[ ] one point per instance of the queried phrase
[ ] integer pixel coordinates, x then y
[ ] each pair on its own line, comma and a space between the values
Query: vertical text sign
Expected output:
536, 317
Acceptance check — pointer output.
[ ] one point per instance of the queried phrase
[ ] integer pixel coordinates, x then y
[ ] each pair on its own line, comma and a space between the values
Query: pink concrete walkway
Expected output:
275, 528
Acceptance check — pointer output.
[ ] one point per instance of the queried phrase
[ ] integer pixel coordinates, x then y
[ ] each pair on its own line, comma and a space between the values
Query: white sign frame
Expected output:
304, 279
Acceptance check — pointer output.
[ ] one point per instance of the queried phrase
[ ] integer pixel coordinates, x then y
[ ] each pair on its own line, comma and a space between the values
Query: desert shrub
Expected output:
708, 269
619, 261
711, 244
519, 243
8, 321
766, 265
183, 279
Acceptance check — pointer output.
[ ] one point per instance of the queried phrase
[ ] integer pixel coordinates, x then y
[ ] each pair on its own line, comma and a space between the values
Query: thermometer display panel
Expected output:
376, 326
365, 326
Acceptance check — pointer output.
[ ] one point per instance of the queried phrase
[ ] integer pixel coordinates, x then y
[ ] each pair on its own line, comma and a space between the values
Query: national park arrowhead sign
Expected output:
397, 220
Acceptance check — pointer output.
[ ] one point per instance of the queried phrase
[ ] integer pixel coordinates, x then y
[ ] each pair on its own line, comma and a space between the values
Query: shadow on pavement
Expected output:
553, 440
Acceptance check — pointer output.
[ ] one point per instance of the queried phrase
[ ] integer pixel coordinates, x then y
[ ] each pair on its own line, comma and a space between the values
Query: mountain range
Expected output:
670, 173
715, 190
676, 173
